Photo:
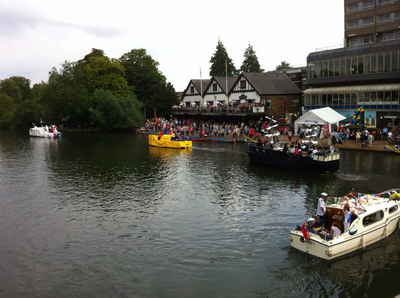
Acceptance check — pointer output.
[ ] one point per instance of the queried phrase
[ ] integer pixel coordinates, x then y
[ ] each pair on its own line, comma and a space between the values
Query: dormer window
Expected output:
242, 84
215, 87
192, 89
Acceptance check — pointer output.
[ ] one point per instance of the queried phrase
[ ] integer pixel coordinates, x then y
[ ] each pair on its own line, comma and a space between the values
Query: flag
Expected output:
155, 116
304, 231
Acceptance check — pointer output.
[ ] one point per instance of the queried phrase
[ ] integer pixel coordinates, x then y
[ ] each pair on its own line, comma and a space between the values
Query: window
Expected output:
352, 7
268, 103
191, 89
367, 4
215, 87
372, 218
387, 61
280, 117
352, 24
342, 66
383, 2
396, 15
360, 65
354, 66
382, 18
393, 209
243, 84
395, 60
367, 21
348, 68
374, 68
380, 62
337, 67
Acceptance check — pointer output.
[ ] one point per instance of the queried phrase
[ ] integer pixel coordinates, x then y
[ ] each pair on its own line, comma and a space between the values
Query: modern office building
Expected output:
366, 72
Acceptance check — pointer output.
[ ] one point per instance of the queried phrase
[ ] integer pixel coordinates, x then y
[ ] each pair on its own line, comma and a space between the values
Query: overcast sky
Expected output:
181, 35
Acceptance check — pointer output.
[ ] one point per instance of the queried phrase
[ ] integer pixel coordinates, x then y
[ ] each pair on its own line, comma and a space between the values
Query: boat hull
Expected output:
221, 140
332, 249
166, 142
277, 158
374, 218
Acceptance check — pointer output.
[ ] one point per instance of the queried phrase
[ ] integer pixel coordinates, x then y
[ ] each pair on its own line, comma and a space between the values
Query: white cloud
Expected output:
181, 35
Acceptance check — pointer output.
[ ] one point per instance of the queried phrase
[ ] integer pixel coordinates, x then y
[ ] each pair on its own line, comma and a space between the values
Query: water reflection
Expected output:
106, 214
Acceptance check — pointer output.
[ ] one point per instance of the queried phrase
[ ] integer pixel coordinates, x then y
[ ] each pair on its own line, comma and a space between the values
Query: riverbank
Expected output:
377, 146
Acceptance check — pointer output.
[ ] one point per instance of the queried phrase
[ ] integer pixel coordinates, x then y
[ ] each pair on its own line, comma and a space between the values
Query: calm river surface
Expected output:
107, 216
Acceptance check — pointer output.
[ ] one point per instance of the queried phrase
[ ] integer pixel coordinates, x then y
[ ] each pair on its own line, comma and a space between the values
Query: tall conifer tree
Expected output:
250, 62
221, 64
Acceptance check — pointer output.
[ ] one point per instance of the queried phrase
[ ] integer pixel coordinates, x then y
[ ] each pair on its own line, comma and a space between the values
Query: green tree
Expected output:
11, 88
24, 85
27, 112
150, 85
66, 95
283, 65
221, 64
106, 74
7, 107
112, 112
250, 62
94, 53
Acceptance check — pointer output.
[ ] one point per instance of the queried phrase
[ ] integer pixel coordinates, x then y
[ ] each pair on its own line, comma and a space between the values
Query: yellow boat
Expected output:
396, 148
166, 141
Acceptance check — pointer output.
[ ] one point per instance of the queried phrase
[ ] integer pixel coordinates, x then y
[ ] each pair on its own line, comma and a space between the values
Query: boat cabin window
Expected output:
372, 218
393, 209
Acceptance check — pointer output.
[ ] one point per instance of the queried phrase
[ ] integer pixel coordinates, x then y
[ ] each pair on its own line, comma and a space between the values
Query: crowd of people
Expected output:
190, 127
264, 128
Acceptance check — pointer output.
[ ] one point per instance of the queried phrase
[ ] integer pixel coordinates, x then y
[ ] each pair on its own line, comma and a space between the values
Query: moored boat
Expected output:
278, 155
375, 217
197, 139
395, 149
168, 141
44, 131
221, 140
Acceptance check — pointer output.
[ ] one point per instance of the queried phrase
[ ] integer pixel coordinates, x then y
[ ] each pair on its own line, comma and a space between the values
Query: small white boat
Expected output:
44, 131
377, 217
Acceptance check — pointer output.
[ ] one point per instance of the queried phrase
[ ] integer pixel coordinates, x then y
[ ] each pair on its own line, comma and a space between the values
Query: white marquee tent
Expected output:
319, 117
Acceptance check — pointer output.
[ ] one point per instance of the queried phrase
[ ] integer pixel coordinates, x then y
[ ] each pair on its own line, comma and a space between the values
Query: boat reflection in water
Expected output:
168, 152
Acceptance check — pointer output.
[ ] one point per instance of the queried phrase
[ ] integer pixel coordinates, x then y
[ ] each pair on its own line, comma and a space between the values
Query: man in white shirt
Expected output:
322, 208
335, 231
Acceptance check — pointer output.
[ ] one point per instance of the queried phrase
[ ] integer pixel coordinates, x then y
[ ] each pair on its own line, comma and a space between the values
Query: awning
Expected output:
353, 89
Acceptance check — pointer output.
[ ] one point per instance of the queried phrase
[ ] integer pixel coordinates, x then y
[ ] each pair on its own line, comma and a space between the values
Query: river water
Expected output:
107, 216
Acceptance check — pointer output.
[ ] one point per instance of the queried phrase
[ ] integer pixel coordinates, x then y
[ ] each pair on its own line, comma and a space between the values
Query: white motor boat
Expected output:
376, 217
44, 131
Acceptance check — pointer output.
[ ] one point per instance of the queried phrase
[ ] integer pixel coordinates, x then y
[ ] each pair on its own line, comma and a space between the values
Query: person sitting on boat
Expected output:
291, 149
335, 231
321, 210
160, 135
315, 151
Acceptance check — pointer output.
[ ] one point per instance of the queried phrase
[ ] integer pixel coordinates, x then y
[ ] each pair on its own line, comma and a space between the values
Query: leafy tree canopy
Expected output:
149, 84
283, 65
112, 112
221, 64
250, 62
